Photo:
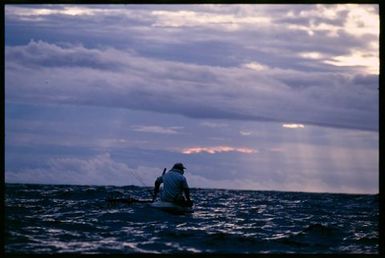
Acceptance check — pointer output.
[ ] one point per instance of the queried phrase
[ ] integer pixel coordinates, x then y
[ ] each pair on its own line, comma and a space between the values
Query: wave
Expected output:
51, 219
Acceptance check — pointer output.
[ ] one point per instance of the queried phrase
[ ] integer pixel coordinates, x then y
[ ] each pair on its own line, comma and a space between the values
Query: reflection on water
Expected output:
77, 219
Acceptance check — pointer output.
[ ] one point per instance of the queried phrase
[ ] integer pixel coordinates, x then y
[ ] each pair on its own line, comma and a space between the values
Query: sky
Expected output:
253, 97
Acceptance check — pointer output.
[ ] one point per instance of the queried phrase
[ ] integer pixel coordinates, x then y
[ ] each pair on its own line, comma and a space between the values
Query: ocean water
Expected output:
42, 219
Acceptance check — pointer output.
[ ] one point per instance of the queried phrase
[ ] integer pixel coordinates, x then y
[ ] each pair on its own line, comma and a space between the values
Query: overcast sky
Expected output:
260, 97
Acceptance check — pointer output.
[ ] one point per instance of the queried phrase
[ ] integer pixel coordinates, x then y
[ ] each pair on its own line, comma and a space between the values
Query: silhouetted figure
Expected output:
175, 187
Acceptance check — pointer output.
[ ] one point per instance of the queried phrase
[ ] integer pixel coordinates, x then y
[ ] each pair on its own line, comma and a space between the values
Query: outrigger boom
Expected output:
128, 200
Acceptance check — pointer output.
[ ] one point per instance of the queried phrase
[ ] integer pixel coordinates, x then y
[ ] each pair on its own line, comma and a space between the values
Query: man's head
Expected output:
179, 166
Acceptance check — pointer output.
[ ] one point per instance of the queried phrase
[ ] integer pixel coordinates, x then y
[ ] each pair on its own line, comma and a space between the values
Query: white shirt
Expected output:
173, 185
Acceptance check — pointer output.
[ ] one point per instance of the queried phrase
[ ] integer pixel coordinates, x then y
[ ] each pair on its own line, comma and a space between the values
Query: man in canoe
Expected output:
175, 187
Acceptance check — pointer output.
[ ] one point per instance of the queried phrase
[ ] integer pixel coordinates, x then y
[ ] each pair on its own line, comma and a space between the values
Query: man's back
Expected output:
173, 185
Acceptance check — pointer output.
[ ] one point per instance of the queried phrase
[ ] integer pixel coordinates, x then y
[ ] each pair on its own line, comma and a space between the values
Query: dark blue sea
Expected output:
45, 219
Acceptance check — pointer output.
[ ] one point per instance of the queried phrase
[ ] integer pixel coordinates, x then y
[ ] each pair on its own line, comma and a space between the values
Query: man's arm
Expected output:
187, 193
186, 190
188, 202
158, 181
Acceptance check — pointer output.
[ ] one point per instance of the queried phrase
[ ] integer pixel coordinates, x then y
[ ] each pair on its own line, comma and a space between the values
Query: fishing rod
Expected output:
140, 180
129, 200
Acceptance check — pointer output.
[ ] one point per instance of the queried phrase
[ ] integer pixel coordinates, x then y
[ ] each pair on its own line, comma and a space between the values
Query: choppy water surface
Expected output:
77, 219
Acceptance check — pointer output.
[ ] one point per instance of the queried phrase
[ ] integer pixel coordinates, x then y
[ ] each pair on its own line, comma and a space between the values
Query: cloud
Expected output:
224, 72
39, 54
171, 87
204, 71
95, 170
218, 149
245, 133
302, 185
214, 124
24, 11
293, 126
195, 18
315, 159
256, 66
357, 20
361, 60
156, 129
104, 169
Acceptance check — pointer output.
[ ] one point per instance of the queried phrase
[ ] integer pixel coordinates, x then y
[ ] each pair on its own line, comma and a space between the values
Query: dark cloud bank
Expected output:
74, 74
